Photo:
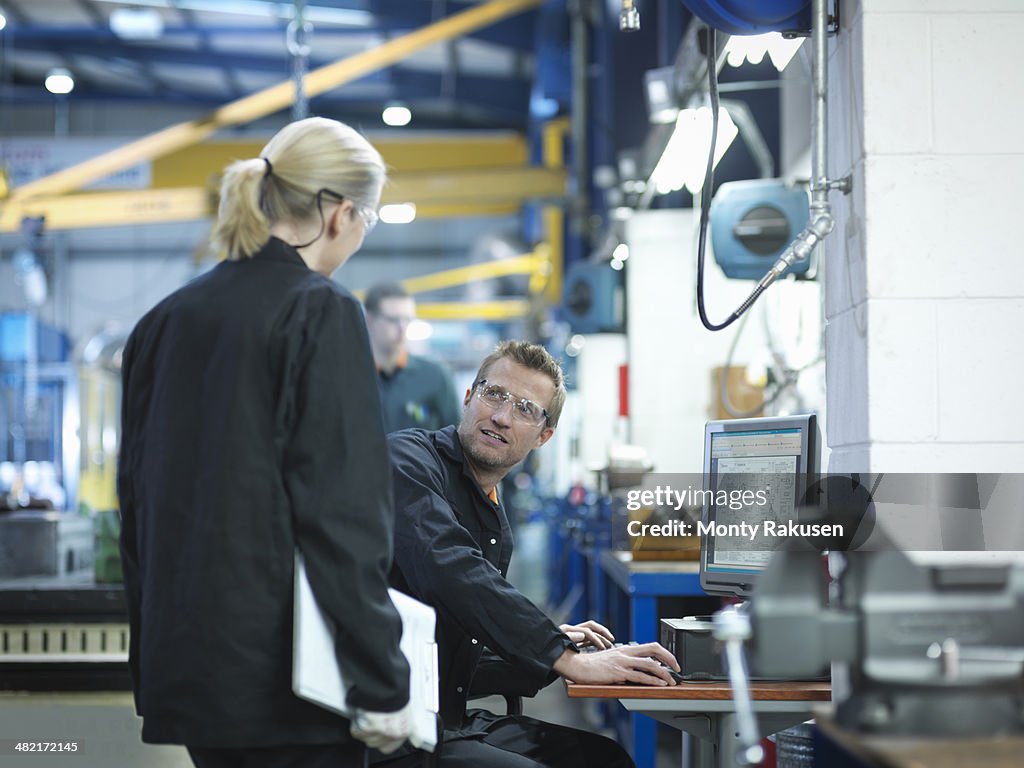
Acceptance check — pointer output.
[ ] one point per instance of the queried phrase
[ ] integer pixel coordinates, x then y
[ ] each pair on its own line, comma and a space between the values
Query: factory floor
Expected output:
106, 730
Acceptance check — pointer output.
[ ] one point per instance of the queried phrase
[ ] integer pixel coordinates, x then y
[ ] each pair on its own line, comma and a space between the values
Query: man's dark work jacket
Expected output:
251, 426
452, 551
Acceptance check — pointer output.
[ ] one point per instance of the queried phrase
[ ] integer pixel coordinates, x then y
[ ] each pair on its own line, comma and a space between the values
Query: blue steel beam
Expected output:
155, 54
398, 17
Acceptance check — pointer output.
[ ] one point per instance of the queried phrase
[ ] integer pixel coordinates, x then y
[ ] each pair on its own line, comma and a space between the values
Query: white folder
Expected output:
317, 677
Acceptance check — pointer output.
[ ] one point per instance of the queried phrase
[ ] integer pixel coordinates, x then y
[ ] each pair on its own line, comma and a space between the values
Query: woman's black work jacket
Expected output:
452, 551
251, 426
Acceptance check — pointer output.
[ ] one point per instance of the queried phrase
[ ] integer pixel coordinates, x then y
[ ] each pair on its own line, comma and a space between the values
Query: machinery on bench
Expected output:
917, 647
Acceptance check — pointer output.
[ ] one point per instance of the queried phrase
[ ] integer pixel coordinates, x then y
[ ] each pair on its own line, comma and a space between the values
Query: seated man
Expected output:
452, 550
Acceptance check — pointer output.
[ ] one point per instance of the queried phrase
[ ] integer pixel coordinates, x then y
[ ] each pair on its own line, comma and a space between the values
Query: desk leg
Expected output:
643, 629
702, 739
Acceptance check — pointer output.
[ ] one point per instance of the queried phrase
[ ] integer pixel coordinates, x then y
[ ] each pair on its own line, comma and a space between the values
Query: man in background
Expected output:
414, 391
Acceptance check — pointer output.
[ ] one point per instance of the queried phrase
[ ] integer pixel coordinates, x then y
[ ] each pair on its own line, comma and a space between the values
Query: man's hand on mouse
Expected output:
637, 664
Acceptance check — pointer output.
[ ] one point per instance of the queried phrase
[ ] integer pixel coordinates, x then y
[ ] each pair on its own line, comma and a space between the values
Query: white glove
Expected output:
383, 731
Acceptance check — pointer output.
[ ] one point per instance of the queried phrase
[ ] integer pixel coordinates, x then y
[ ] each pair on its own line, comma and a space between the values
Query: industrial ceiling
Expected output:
201, 53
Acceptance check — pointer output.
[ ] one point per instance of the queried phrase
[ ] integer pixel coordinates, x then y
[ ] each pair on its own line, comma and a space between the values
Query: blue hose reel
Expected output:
753, 17
752, 222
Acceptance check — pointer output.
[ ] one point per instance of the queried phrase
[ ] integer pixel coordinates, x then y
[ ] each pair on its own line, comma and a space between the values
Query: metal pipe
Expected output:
819, 107
821, 221
580, 204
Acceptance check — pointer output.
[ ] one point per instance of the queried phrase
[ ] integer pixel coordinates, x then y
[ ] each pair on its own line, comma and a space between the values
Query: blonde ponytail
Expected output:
242, 227
283, 184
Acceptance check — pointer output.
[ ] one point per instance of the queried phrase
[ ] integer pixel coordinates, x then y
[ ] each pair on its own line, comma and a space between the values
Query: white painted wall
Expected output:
925, 296
597, 381
672, 355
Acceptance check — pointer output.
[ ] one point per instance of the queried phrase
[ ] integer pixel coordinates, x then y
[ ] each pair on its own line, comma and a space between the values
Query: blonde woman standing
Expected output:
251, 427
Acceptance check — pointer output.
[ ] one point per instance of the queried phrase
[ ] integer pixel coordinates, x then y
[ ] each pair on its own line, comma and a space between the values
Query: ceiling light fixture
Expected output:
59, 81
753, 48
317, 14
136, 23
685, 158
396, 115
3, 20
398, 213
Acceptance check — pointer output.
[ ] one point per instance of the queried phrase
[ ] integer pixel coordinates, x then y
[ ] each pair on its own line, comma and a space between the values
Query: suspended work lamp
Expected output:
685, 158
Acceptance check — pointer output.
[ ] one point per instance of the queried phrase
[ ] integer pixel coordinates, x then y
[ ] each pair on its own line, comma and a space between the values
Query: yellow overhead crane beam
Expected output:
109, 209
271, 99
527, 264
509, 309
201, 164
537, 265
483, 191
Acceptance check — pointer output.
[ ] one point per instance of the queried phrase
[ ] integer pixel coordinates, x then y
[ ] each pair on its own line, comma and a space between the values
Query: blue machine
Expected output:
753, 17
23, 338
39, 422
752, 222
594, 298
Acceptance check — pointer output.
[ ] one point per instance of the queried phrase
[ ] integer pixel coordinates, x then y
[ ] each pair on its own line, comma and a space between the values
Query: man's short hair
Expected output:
380, 291
536, 358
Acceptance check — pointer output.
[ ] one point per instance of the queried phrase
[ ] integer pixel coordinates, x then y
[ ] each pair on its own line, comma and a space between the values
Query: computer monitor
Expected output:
756, 470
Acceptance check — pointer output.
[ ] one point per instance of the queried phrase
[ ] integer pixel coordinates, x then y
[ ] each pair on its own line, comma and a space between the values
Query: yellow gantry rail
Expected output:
108, 209
509, 309
480, 192
271, 99
537, 265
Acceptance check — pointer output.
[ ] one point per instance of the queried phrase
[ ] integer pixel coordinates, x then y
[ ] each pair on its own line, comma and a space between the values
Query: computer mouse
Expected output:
677, 676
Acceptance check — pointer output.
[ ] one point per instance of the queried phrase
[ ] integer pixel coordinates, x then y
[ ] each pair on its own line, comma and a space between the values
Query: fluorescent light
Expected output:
396, 115
317, 14
136, 23
753, 48
59, 81
621, 252
398, 213
684, 161
3, 20
419, 330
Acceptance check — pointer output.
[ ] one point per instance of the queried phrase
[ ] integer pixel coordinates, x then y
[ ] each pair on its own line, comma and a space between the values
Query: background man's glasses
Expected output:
398, 320
523, 410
